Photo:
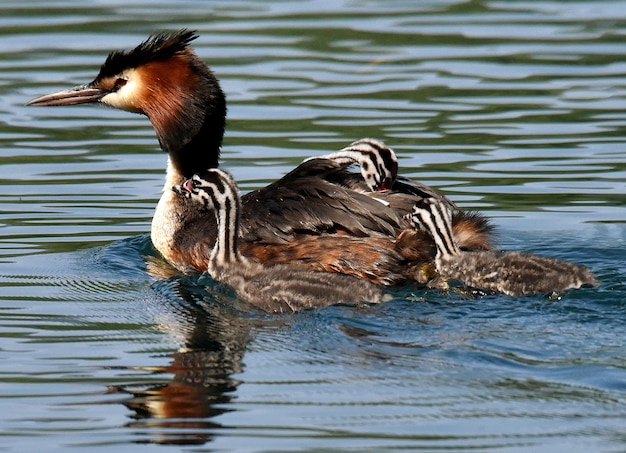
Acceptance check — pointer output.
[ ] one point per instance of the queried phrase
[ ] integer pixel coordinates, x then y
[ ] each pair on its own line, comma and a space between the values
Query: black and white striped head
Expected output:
213, 189
378, 162
435, 218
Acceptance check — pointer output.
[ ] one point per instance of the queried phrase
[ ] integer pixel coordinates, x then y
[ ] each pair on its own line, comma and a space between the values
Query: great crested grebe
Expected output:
275, 288
512, 273
310, 217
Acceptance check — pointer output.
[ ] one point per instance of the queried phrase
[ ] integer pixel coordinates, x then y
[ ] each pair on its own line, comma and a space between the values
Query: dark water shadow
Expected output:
197, 382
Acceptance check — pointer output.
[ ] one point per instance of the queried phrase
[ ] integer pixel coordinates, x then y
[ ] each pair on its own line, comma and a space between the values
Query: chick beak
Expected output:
188, 185
384, 185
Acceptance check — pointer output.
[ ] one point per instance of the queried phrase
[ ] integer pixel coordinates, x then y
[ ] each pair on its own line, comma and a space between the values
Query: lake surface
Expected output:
514, 108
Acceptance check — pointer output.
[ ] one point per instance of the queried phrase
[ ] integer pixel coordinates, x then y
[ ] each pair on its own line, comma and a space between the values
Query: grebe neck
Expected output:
435, 218
192, 130
226, 249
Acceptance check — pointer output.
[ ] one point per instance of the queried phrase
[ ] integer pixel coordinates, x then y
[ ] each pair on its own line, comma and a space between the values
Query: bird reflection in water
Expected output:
200, 383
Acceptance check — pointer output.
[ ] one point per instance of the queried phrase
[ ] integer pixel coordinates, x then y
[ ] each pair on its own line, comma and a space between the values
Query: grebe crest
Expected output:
273, 288
512, 273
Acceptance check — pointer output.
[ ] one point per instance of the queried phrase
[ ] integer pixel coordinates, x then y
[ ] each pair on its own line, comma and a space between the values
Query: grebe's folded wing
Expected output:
417, 189
312, 205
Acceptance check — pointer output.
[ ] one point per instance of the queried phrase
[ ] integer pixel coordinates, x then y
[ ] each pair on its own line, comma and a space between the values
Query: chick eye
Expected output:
119, 83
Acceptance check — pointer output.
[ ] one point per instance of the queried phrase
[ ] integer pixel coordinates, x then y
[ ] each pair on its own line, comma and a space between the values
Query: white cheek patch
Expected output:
126, 98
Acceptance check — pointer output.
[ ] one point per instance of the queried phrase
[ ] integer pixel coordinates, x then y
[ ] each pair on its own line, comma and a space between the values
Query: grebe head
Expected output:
213, 189
378, 162
217, 192
165, 80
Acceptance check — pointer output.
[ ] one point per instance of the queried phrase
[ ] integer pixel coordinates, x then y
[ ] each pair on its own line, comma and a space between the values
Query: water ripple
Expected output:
514, 108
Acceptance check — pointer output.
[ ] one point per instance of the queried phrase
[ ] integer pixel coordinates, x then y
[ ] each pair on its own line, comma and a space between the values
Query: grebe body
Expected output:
317, 216
512, 273
272, 288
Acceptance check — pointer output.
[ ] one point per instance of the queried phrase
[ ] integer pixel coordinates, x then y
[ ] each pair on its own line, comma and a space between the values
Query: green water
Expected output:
514, 108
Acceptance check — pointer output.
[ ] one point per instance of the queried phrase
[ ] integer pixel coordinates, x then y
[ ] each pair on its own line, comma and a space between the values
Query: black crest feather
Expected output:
157, 47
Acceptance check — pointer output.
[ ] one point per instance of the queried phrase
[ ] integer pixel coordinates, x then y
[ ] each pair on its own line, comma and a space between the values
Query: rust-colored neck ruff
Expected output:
187, 108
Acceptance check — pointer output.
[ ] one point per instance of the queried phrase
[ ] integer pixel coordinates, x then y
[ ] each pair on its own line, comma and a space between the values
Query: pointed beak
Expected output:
385, 185
188, 185
83, 94
185, 189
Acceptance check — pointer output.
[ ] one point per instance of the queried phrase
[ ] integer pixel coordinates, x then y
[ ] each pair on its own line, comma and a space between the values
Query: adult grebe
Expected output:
512, 273
275, 288
310, 217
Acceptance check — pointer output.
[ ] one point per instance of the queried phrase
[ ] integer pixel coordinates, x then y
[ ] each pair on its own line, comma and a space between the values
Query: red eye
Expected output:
119, 83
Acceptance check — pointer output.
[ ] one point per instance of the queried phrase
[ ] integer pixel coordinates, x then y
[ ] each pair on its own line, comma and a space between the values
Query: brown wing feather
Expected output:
304, 203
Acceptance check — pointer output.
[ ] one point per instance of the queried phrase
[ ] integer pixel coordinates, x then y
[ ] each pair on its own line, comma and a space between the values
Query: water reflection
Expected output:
198, 382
